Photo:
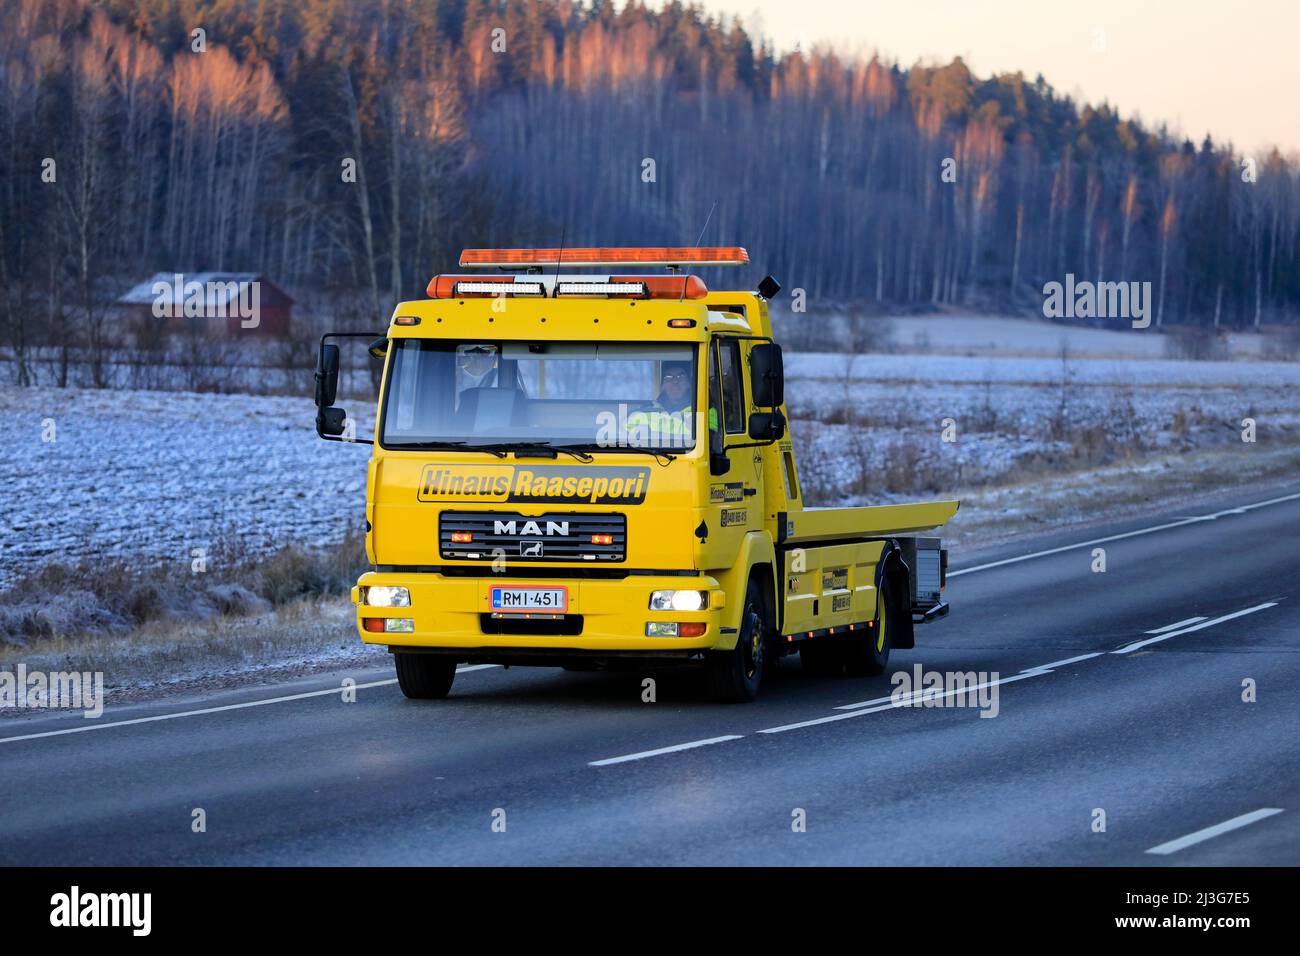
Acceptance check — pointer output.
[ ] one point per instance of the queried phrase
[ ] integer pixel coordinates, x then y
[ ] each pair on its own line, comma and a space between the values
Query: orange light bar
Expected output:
461, 537
604, 256
602, 539
669, 287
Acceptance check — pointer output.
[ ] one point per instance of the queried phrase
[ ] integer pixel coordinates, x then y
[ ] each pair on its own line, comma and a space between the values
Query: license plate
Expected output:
554, 600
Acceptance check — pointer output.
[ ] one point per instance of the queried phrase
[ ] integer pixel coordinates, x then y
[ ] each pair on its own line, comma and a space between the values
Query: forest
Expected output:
349, 150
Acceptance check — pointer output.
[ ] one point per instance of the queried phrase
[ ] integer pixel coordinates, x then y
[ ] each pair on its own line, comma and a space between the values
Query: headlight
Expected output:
383, 596
679, 600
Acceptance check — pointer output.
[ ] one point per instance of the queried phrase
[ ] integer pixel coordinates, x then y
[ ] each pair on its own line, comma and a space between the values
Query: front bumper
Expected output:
455, 613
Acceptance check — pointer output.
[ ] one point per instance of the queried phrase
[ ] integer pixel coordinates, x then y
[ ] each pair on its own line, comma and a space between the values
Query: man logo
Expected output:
530, 549
553, 528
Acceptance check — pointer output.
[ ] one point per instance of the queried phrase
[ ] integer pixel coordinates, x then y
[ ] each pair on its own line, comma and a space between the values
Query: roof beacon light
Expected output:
602, 287
469, 287
593, 256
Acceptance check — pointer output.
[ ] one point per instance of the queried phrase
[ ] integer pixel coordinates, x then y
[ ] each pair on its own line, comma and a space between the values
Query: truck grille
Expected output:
554, 536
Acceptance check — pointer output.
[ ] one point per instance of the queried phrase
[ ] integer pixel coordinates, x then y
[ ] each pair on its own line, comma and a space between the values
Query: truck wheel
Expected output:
867, 653
735, 675
424, 676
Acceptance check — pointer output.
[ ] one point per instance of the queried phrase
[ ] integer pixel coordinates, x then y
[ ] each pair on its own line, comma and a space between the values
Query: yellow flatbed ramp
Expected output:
831, 560
812, 525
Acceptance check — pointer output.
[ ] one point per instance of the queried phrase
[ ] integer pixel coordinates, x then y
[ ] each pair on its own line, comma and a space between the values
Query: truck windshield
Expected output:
606, 395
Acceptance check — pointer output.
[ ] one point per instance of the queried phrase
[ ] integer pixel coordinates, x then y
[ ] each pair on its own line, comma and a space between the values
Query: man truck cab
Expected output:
594, 470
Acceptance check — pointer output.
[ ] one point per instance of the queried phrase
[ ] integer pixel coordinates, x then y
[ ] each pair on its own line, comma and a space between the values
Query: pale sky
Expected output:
1227, 67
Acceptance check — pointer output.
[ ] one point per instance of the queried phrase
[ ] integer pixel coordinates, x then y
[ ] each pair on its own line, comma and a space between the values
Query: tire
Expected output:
424, 676
866, 653
736, 675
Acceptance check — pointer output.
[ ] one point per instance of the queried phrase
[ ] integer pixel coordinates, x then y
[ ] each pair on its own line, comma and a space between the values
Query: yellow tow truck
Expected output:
594, 469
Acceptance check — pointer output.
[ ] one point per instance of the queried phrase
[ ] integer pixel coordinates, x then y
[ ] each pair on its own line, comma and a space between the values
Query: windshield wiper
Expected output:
504, 447
575, 450
665, 455
445, 445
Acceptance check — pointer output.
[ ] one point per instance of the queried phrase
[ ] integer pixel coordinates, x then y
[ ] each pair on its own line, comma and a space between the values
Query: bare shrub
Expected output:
1196, 343
871, 334
97, 596
1282, 344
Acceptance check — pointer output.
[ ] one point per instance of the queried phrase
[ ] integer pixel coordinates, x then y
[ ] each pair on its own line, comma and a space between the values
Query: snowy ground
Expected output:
872, 427
159, 474
1003, 335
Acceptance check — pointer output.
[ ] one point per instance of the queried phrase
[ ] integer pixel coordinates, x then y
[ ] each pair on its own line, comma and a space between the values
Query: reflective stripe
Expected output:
662, 423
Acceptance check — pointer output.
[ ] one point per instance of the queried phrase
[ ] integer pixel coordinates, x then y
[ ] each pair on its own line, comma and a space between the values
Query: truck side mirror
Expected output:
330, 421
327, 375
767, 426
767, 375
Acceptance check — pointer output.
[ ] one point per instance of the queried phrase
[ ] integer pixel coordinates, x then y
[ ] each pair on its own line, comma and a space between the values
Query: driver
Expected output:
674, 388
670, 413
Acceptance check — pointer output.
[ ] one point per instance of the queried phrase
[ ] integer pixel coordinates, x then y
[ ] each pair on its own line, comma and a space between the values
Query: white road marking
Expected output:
1128, 534
81, 729
917, 697
914, 697
1129, 648
663, 750
1170, 627
827, 720
1209, 833
1047, 668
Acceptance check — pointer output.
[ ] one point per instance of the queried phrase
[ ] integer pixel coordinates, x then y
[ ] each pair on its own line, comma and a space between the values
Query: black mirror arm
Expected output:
320, 378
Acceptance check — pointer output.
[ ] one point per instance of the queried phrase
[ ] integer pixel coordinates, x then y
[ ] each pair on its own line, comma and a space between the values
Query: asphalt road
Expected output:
1155, 736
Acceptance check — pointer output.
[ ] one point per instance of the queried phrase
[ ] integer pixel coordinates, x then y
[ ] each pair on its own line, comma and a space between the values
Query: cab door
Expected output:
735, 497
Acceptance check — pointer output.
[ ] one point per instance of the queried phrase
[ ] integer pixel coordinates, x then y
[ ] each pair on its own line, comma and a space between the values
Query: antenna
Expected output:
698, 240
559, 257
706, 222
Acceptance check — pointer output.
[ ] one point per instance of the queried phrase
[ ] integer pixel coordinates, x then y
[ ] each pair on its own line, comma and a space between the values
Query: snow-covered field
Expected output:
871, 427
159, 474
1022, 337
1000, 369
